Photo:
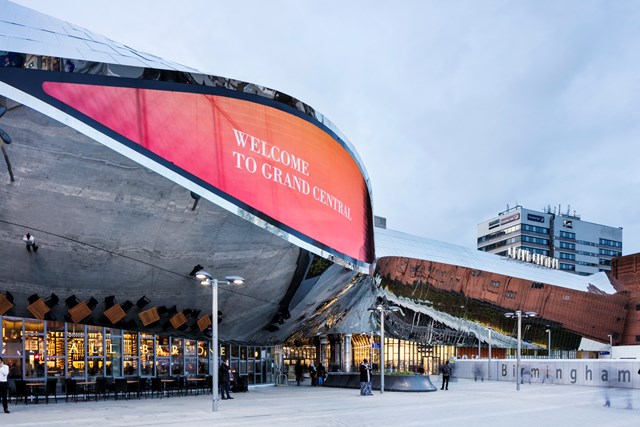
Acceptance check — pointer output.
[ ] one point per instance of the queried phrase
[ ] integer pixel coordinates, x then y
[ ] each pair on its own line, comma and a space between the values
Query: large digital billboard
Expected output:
259, 155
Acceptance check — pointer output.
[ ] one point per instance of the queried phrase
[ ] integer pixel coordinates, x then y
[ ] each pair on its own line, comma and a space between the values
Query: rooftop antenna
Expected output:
568, 209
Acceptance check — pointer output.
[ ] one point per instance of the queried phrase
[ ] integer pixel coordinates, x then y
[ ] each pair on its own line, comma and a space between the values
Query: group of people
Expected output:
317, 375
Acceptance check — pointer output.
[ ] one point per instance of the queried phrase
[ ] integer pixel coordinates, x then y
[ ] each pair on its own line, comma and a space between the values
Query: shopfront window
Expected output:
34, 348
37, 349
190, 357
130, 353
95, 351
55, 360
75, 351
12, 346
203, 358
162, 356
147, 359
114, 352
177, 356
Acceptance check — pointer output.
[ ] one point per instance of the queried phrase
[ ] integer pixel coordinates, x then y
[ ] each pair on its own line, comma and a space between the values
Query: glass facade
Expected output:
37, 349
402, 356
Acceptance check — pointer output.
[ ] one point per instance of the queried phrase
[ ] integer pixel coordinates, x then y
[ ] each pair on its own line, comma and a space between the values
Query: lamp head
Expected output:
510, 314
530, 314
394, 308
203, 275
236, 280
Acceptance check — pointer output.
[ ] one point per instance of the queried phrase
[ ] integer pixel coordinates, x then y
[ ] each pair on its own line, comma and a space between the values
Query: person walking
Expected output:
446, 373
321, 373
225, 380
365, 379
30, 242
313, 372
4, 373
298, 371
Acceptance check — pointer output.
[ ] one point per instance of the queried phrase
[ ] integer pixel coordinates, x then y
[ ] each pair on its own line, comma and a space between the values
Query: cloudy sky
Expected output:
457, 108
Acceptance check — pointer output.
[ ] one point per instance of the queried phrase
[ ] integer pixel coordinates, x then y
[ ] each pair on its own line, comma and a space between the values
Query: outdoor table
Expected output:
85, 387
39, 308
115, 314
5, 304
178, 320
195, 380
34, 387
79, 312
149, 316
204, 322
165, 381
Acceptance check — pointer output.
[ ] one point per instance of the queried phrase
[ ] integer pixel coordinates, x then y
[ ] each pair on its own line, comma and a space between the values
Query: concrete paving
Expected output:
466, 402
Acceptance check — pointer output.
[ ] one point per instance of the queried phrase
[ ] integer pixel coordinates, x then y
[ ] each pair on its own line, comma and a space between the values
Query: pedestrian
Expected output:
477, 372
4, 373
321, 373
313, 372
30, 241
225, 379
365, 379
298, 371
446, 373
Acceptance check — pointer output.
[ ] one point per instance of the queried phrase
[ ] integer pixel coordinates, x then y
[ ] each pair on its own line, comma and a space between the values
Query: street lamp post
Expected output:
489, 366
549, 344
610, 346
206, 279
519, 315
384, 310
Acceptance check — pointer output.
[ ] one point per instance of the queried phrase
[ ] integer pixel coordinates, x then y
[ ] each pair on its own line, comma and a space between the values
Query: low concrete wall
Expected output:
588, 372
411, 383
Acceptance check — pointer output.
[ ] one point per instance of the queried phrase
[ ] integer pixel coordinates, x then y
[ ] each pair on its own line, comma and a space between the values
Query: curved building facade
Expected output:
132, 172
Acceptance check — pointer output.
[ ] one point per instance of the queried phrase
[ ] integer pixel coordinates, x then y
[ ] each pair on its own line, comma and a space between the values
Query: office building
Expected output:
551, 238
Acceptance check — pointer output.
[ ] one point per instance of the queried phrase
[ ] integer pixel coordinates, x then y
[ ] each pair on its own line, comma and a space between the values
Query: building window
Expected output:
536, 250
510, 294
567, 267
637, 307
536, 240
493, 246
567, 245
587, 253
564, 255
613, 243
499, 233
584, 242
566, 298
495, 284
567, 235
567, 223
637, 338
609, 253
534, 229
605, 261
588, 264
537, 285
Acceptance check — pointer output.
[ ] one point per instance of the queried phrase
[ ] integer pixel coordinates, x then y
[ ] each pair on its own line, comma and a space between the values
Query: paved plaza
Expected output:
465, 403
